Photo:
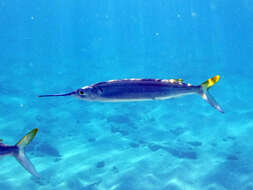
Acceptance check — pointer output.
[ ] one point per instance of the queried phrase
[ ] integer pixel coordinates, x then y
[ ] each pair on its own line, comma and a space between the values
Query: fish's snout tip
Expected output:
41, 96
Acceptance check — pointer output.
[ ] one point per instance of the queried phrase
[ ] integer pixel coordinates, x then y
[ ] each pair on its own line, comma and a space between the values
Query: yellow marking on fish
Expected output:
28, 138
210, 82
179, 81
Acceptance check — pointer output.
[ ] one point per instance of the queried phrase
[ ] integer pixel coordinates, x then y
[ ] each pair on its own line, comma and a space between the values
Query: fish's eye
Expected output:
81, 92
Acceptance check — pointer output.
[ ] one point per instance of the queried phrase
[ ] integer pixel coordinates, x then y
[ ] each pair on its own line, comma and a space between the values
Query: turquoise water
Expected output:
178, 144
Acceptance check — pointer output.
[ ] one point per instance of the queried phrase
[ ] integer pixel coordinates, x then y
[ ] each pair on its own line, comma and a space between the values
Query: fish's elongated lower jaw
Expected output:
52, 95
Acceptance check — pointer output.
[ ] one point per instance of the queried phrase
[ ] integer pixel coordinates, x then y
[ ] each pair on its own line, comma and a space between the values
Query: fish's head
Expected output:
87, 93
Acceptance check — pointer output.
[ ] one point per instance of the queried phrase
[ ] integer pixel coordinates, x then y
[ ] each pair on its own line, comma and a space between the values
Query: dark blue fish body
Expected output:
139, 89
143, 89
6, 150
19, 153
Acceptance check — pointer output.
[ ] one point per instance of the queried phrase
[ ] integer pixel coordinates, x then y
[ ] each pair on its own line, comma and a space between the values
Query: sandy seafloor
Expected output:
178, 144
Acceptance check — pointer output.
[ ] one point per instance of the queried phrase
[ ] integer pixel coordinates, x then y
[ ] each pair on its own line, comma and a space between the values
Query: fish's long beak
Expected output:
67, 94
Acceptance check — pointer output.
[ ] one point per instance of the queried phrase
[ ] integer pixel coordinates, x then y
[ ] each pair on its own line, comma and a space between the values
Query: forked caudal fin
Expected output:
21, 156
207, 96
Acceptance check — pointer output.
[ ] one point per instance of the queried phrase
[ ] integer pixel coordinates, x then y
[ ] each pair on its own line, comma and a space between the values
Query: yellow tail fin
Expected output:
207, 96
27, 139
210, 82
21, 156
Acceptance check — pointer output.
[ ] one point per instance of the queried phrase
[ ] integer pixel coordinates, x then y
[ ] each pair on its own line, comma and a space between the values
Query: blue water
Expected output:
178, 144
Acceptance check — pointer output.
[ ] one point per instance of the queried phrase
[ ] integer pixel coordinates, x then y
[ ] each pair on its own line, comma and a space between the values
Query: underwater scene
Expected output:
126, 95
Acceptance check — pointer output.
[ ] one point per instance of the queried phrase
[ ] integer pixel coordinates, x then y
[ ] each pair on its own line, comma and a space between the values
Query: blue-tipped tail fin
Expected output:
21, 157
207, 96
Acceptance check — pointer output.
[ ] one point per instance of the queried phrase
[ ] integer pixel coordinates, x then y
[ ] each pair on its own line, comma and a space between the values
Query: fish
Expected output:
143, 89
18, 151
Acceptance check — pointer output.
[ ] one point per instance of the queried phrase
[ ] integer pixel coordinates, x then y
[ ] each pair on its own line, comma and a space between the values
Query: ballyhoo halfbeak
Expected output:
67, 94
